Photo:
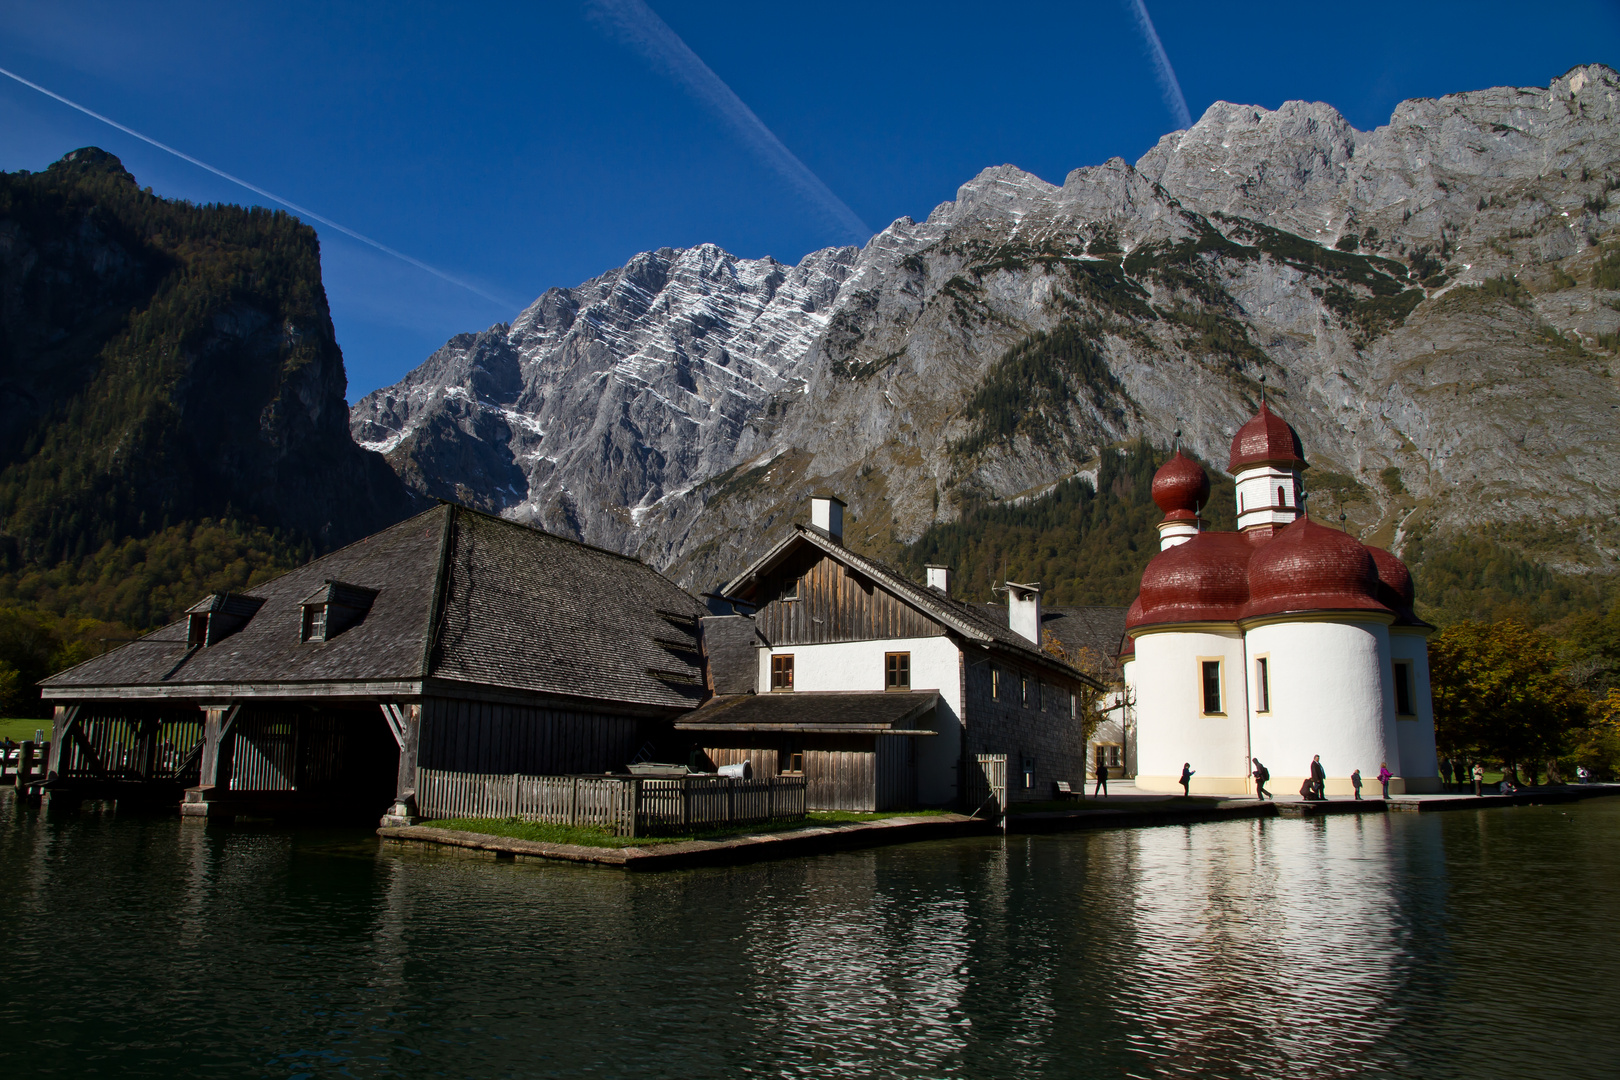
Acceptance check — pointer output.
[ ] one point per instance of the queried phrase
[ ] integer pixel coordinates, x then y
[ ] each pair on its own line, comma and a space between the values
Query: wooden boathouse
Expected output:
884, 692
453, 641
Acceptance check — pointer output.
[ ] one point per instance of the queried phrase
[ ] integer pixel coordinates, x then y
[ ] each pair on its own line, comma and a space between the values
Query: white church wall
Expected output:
1420, 767
858, 666
1330, 694
1171, 725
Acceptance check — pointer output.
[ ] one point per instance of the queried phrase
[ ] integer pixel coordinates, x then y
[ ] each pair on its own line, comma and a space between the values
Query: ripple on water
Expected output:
1433, 945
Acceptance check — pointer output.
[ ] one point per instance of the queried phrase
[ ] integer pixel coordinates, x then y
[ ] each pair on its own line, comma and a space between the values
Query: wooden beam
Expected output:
66, 719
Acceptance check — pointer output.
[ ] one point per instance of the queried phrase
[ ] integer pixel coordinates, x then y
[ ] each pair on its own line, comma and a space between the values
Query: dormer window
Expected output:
332, 609
217, 616
315, 622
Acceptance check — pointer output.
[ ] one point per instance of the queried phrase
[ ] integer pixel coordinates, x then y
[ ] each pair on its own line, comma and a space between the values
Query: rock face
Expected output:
162, 362
1429, 303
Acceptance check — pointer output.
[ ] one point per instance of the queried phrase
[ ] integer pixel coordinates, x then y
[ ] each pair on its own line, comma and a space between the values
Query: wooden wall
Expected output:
834, 604
478, 737
860, 773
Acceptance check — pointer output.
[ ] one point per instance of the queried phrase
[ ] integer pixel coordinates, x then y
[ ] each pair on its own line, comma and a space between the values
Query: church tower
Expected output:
1267, 463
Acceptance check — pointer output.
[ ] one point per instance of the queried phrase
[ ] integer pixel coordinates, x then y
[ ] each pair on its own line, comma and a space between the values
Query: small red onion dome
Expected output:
1306, 567
1267, 439
1180, 486
1395, 582
1205, 579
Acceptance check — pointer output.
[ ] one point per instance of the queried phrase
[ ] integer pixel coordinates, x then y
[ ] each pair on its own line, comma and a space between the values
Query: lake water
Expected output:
1460, 944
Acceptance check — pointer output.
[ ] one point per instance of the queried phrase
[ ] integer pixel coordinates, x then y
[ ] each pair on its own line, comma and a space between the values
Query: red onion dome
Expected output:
1127, 649
1205, 579
1306, 567
1395, 582
1266, 440
1180, 486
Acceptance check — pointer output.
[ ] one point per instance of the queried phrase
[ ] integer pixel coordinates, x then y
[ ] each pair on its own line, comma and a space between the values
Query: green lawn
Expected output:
19, 730
593, 837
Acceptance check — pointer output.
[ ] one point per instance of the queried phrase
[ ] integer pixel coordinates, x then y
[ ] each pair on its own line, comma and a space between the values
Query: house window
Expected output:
1074, 705
897, 671
1040, 695
1029, 774
1403, 689
790, 589
782, 672
315, 622
1262, 684
197, 631
1023, 690
1210, 670
793, 758
995, 682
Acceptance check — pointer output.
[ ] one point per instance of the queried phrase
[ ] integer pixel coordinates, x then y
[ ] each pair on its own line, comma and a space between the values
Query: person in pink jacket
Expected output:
1383, 776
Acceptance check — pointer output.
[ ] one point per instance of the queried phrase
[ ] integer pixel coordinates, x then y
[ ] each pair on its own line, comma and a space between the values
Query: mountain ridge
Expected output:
1416, 298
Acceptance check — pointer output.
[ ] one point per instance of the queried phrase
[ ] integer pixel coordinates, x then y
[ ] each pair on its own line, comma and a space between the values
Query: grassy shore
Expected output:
594, 837
21, 730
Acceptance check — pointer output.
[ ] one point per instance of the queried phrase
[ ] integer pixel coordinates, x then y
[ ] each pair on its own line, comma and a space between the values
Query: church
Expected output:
1281, 641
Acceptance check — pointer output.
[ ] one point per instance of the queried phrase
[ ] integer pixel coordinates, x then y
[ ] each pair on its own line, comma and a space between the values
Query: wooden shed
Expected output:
454, 640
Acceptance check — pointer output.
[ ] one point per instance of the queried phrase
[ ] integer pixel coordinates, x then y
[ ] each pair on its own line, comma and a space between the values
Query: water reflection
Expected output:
1371, 946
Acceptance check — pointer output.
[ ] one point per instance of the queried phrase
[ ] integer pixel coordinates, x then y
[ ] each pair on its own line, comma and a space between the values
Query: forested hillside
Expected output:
172, 414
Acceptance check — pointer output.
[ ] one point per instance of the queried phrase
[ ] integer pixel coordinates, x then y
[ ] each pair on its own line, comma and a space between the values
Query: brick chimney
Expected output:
1024, 610
827, 514
939, 577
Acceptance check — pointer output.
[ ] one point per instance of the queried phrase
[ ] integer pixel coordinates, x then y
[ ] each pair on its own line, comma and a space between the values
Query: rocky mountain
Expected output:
162, 363
1431, 303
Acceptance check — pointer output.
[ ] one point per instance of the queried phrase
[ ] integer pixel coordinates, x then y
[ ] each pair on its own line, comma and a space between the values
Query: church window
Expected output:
1210, 672
1282, 499
1403, 689
1262, 684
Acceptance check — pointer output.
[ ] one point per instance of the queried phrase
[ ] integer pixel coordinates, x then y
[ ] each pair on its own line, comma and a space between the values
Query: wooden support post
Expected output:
65, 720
25, 764
406, 722
686, 801
573, 801
514, 810
214, 765
635, 805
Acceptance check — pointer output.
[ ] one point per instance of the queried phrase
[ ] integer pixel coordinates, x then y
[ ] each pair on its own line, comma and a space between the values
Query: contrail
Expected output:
294, 207
1173, 99
640, 27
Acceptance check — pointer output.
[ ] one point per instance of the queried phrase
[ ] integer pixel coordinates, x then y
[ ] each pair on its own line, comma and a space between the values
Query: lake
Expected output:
1466, 944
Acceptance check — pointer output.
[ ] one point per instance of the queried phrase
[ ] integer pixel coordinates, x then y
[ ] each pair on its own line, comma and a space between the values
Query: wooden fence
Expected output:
628, 806
987, 783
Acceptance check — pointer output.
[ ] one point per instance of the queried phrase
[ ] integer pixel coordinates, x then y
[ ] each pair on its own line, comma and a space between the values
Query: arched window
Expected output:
1282, 499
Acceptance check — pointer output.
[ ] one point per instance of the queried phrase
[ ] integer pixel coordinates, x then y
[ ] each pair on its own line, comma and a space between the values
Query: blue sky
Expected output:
526, 146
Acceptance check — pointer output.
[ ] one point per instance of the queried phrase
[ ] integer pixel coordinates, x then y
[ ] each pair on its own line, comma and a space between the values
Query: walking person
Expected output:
1445, 773
1186, 779
1479, 779
1355, 782
1261, 775
1102, 777
1383, 776
1318, 778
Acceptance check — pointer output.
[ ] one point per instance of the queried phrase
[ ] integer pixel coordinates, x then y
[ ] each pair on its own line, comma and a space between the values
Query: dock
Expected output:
1124, 811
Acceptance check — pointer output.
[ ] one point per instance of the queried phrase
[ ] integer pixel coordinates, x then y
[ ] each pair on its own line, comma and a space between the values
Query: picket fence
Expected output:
627, 805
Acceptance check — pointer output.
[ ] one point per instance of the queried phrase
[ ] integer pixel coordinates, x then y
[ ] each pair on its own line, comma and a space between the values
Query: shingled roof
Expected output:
977, 623
891, 712
461, 598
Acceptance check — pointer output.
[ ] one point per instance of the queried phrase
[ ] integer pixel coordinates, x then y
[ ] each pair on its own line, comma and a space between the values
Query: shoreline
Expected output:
820, 839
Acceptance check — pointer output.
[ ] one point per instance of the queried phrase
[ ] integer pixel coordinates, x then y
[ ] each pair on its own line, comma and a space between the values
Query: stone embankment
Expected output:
1129, 812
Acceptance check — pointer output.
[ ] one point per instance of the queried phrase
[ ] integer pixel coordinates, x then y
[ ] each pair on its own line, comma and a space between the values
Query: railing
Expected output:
628, 806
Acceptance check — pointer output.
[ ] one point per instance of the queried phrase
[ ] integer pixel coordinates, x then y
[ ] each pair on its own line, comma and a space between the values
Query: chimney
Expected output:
827, 514
939, 577
1024, 611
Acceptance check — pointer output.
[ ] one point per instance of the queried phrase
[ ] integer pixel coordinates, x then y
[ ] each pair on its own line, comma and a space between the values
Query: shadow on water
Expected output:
1432, 945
